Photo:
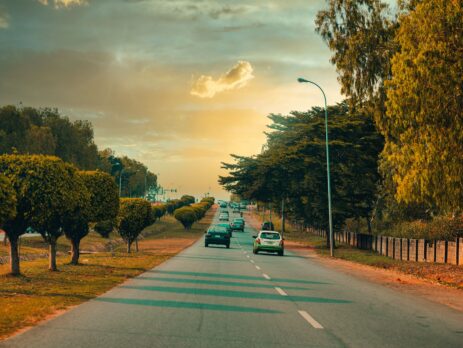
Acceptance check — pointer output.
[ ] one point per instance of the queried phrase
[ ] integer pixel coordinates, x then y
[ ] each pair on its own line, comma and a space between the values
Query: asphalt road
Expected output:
218, 297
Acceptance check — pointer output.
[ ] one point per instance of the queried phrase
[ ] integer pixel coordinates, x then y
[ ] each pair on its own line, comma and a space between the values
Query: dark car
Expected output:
237, 224
267, 226
227, 226
217, 235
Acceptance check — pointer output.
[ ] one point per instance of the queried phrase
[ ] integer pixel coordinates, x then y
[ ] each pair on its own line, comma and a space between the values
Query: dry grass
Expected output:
38, 293
449, 275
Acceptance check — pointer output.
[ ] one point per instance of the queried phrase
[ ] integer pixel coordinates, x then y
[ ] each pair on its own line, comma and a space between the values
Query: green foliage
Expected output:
7, 200
158, 211
360, 33
187, 199
293, 166
423, 156
44, 131
105, 227
104, 196
186, 216
210, 200
134, 216
46, 193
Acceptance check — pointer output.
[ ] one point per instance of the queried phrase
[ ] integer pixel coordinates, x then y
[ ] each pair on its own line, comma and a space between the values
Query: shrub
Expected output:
105, 227
186, 216
134, 216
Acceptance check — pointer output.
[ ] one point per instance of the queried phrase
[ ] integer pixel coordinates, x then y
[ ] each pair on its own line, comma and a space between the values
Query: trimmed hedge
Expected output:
134, 216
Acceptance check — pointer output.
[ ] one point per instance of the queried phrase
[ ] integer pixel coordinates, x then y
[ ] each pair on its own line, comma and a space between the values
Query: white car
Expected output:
270, 241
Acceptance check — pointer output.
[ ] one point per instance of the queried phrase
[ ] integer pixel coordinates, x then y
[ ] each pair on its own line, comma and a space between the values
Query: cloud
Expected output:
4, 19
237, 77
64, 3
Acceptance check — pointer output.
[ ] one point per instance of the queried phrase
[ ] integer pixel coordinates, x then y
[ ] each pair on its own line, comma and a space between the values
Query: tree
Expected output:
293, 166
45, 194
134, 216
102, 204
186, 216
423, 155
7, 200
360, 33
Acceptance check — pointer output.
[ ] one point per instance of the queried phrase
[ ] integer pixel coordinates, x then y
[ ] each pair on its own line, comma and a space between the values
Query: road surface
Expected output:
218, 297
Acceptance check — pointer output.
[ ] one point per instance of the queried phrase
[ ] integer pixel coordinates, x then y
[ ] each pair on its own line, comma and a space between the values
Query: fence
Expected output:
419, 250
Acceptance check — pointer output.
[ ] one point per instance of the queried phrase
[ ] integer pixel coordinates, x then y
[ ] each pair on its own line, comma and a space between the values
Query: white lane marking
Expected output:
266, 276
280, 291
257, 267
310, 320
247, 256
252, 261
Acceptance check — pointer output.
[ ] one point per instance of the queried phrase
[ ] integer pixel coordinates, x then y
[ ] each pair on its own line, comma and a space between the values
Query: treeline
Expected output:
396, 143
27, 130
49, 196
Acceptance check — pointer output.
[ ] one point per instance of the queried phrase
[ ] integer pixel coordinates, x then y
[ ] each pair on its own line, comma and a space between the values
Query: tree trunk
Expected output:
75, 251
14, 257
369, 225
5, 240
136, 245
129, 244
52, 257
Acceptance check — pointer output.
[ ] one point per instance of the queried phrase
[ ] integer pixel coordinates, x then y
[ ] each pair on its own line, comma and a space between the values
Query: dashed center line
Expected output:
280, 291
252, 261
257, 267
247, 256
310, 320
266, 276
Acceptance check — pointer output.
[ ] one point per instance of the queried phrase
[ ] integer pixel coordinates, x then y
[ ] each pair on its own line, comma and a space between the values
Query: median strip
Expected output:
280, 291
310, 320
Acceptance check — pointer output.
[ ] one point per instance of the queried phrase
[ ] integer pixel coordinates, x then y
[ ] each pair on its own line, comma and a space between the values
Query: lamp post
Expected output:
120, 182
330, 218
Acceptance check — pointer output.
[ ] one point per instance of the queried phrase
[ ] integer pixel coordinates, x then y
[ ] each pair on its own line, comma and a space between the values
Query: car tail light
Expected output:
258, 240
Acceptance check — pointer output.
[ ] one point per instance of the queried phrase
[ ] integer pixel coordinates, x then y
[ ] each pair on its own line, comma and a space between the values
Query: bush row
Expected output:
47, 195
188, 215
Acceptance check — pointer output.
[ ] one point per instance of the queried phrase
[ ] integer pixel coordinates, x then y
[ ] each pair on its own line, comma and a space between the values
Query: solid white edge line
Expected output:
310, 320
257, 267
266, 276
280, 291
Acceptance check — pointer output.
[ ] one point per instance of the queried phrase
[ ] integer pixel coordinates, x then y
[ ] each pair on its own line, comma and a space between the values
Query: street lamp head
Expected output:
302, 80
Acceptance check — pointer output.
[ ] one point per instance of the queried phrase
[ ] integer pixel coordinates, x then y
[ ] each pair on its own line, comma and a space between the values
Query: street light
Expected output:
120, 182
330, 218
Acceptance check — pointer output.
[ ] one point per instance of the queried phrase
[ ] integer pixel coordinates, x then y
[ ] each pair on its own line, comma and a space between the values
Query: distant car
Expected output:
223, 205
243, 206
267, 226
240, 219
237, 224
223, 217
228, 227
236, 210
270, 241
217, 235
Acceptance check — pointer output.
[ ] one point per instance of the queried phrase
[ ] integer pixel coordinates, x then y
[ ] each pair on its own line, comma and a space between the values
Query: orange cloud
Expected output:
237, 77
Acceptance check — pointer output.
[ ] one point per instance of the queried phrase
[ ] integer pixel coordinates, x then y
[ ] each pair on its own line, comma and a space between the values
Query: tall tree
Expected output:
423, 127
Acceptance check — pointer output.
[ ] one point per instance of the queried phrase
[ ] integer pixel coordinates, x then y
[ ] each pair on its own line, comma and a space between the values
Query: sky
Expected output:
176, 84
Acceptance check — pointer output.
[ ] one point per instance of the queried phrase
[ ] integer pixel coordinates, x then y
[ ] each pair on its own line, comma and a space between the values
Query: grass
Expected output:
445, 274
38, 293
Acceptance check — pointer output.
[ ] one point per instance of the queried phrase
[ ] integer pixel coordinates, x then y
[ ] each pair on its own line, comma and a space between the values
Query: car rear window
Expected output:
268, 235
218, 230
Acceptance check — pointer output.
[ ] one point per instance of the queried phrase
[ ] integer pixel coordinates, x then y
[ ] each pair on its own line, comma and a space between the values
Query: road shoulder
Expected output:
399, 281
